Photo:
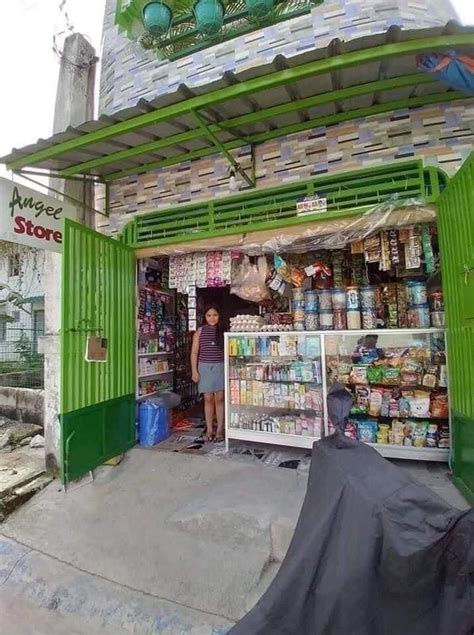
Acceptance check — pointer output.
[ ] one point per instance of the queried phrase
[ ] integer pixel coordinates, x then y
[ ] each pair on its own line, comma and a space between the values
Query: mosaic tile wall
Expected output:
441, 135
128, 73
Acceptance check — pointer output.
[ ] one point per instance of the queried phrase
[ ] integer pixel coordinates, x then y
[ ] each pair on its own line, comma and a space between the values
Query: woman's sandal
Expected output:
209, 438
219, 438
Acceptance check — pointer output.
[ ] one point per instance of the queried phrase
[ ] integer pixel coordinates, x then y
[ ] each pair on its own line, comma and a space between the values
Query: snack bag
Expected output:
367, 431
419, 434
375, 406
359, 375
362, 400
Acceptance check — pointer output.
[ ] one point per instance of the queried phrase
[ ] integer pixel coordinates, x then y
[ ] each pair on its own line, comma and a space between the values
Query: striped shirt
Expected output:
209, 351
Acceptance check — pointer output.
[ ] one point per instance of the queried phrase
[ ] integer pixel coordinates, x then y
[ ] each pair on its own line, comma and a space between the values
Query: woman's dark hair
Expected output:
220, 329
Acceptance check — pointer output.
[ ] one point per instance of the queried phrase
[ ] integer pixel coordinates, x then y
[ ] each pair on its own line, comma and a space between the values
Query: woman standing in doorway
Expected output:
207, 364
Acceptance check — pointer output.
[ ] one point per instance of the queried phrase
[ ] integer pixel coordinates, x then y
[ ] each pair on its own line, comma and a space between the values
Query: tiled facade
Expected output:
440, 134
129, 73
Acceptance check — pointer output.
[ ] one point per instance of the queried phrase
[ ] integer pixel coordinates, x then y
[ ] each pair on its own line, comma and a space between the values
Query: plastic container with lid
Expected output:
419, 317
367, 297
417, 293
326, 320
353, 320
369, 319
339, 298
325, 299
352, 298
311, 301
340, 319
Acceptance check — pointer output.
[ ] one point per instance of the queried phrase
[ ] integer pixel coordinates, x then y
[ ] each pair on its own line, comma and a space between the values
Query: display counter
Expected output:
277, 383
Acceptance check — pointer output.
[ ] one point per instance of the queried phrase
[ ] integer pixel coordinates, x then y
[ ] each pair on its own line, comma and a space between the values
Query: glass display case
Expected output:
275, 388
399, 382
277, 383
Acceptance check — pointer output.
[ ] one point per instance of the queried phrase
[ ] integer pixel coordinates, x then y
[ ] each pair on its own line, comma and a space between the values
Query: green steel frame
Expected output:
347, 193
200, 103
97, 399
456, 232
183, 38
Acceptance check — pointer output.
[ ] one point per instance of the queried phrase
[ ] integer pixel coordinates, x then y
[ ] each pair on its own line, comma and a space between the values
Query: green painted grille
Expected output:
346, 193
97, 299
456, 228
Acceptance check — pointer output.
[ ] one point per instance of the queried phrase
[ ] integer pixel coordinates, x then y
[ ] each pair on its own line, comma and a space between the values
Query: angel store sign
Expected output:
31, 218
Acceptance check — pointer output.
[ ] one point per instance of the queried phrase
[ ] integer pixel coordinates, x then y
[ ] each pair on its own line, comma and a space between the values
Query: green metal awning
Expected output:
345, 81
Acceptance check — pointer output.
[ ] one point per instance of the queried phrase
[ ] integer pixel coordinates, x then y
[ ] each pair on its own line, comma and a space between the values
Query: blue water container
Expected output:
153, 423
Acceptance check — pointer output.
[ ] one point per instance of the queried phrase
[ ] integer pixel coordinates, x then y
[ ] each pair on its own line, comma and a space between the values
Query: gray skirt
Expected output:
212, 377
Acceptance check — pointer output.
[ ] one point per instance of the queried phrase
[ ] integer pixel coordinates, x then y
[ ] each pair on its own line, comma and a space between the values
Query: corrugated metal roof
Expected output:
343, 81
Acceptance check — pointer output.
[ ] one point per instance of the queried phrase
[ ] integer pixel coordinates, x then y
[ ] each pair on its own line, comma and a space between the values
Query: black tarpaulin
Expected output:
374, 553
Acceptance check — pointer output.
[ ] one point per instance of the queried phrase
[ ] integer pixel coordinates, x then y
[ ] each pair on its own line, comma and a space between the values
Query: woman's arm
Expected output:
195, 355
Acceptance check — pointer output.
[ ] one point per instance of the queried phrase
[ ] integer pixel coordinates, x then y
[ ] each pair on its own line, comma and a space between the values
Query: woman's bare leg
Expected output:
209, 409
220, 413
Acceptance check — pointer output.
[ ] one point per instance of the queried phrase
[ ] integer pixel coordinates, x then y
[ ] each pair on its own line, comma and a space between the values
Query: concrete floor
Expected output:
163, 543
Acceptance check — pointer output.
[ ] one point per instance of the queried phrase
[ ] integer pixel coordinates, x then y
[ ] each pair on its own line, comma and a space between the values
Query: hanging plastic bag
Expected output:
250, 284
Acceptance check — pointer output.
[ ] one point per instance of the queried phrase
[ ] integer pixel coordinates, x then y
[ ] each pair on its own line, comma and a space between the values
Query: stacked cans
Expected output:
325, 310
311, 303
437, 309
353, 308
418, 313
298, 306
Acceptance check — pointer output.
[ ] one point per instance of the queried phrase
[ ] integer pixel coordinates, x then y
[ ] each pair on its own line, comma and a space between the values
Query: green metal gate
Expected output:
456, 232
97, 398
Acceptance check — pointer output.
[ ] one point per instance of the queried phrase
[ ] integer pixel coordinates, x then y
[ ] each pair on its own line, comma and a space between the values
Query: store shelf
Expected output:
151, 394
412, 453
160, 372
285, 408
275, 438
291, 382
156, 354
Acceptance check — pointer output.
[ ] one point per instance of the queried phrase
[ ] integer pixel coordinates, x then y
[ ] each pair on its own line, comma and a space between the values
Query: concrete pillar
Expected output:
74, 106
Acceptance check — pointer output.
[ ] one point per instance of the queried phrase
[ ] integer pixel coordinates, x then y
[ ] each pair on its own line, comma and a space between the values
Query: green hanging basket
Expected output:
209, 16
259, 8
157, 18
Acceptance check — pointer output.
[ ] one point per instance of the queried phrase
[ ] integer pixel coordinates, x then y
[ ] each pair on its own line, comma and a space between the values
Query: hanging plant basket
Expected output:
176, 28
157, 18
209, 15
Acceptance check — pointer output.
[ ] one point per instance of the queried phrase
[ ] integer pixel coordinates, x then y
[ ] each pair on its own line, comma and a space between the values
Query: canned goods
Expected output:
353, 320
352, 298
416, 292
311, 321
437, 301
367, 297
340, 320
311, 301
298, 294
369, 319
325, 300
419, 317
437, 319
325, 320
338, 298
